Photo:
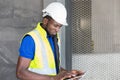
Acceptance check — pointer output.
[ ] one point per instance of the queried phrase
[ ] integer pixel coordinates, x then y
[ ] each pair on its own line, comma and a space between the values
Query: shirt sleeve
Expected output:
27, 47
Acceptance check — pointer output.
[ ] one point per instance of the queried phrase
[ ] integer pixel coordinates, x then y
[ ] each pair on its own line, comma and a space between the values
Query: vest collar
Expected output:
41, 30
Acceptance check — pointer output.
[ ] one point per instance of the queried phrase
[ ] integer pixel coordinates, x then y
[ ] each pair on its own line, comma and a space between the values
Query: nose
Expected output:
57, 29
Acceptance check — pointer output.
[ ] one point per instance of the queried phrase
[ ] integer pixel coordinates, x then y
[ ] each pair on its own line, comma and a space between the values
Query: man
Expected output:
39, 51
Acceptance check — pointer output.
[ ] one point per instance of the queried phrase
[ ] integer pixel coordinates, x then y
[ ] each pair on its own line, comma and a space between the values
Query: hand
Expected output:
63, 75
76, 74
68, 74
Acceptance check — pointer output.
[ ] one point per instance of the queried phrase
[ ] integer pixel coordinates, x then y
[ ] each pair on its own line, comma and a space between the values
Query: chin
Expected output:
53, 34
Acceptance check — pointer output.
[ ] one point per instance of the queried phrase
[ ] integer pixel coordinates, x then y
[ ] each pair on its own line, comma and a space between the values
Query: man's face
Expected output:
53, 27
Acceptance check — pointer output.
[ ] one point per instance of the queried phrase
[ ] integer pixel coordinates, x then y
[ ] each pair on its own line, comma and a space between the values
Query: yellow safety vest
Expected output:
43, 62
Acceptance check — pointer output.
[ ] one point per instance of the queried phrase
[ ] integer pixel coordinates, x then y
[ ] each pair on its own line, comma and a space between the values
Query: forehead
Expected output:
54, 22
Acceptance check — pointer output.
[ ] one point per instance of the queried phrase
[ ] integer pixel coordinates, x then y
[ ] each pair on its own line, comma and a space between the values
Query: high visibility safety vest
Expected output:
43, 62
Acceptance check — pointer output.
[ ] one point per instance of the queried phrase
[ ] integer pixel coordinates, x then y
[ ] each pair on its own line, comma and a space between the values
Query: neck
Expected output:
44, 27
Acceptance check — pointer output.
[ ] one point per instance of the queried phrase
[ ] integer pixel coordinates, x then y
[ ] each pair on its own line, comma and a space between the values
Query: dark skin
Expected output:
22, 72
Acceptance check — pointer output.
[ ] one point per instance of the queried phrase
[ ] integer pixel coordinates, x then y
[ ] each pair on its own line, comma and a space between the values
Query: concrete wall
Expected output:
16, 18
117, 26
105, 25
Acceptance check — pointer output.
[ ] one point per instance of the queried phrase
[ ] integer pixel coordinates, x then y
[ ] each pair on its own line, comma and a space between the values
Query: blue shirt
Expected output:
27, 48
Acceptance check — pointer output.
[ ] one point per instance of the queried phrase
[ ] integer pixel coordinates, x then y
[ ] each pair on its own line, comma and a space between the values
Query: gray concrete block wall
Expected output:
16, 18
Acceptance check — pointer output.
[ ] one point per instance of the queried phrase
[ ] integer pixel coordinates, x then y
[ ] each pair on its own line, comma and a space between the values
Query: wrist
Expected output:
62, 69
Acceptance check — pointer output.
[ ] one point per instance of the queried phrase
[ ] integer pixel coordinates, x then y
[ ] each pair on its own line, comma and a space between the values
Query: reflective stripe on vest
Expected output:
43, 62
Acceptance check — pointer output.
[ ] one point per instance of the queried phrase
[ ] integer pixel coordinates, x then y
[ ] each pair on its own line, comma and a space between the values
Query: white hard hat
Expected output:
57, 11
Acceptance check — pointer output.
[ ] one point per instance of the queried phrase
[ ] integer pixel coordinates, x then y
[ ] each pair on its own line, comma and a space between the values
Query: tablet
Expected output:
79, 76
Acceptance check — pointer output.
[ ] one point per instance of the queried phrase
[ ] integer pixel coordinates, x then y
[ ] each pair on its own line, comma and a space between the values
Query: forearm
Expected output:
28, 75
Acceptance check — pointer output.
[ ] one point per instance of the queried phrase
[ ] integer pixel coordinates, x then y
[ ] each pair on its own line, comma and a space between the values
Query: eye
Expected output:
57, 25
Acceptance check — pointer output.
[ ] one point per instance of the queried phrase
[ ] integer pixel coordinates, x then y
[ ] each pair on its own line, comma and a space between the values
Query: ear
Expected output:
45, 21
